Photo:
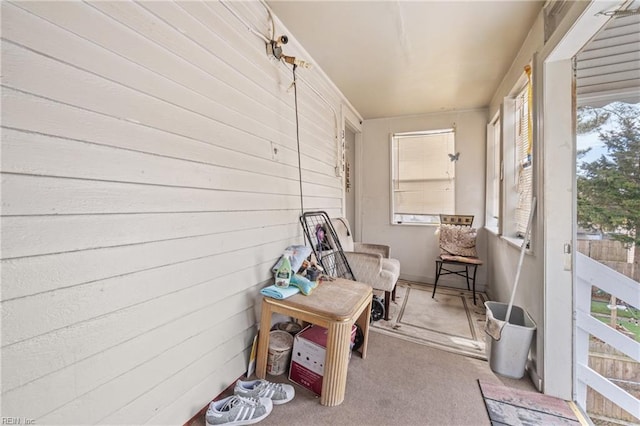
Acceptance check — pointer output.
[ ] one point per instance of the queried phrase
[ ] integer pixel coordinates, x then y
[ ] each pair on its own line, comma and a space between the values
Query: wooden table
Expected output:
335, 305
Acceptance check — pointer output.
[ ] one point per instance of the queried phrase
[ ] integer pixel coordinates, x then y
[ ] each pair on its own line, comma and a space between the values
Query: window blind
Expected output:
423, 180
523, 163
495, 179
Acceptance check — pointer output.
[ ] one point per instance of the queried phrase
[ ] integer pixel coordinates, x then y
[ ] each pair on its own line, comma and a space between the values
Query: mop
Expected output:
494, 326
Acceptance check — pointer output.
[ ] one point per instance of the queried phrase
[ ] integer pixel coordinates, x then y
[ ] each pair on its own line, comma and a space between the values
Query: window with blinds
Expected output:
523, 162
422, 176
494, 175
495, 179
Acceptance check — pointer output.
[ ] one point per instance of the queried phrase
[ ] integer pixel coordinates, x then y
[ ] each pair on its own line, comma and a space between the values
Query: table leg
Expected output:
363, 322
336, 362
263, 341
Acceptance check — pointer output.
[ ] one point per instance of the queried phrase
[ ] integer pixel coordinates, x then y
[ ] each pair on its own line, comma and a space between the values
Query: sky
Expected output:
592, 140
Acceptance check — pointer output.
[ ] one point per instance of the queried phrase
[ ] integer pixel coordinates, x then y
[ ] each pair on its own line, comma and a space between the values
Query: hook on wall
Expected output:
274, 47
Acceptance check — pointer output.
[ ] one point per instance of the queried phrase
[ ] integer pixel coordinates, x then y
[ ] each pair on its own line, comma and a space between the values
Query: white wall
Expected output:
142, 201
417, 246
503, 255
544, 290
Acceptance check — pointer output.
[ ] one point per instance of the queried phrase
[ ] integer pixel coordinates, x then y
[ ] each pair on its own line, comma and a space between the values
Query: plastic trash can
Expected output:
508, 355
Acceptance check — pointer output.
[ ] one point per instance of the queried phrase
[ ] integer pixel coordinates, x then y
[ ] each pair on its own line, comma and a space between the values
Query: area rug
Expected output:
514, 407
450, 321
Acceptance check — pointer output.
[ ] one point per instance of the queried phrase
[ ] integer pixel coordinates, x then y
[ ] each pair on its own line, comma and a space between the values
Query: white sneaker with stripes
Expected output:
238, 410
278, 393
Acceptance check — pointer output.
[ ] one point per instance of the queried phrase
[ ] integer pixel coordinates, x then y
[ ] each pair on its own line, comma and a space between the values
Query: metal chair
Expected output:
456, 219
457, 256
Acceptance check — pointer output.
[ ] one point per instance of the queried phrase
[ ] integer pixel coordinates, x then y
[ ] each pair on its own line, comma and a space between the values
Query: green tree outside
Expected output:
609, 187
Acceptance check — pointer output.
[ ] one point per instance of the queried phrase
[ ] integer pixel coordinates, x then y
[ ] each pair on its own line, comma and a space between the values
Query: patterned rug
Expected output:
513, 407
450, 321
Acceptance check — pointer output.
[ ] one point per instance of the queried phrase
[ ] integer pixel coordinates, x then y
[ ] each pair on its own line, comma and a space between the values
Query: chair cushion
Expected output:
391, 265
372, 248
461, 259
458, 240
368, 268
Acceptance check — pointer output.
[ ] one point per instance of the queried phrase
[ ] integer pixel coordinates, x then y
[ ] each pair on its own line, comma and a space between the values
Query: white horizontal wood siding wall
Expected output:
143, 203
610, 63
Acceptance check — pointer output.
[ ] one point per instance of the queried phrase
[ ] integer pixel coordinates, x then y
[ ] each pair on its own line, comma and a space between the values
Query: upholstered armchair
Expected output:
370, 263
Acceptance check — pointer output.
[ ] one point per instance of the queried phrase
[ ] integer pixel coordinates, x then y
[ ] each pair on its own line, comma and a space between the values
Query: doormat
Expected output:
514, 407
450, 321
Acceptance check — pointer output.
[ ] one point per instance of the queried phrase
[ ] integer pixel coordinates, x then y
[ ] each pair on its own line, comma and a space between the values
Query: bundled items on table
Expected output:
293, 274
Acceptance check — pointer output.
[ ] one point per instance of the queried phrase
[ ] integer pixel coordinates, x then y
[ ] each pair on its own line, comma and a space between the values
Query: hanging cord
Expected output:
250, 28
339, 164
295, 97
246, 24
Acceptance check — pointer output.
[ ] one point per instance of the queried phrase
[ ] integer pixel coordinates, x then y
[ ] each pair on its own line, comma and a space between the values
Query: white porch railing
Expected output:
592, 273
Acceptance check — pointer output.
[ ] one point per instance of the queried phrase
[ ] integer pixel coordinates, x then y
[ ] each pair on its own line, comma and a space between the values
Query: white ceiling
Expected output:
393, 58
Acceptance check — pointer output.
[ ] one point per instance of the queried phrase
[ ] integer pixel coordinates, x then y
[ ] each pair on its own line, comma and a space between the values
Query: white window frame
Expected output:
523, 163
494, 175
446, 163
513, 221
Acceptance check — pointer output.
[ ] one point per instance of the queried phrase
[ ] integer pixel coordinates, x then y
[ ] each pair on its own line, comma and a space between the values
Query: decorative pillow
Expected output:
458, 240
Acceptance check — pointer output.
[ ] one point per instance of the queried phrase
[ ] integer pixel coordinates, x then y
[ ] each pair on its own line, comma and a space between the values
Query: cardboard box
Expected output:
308, 355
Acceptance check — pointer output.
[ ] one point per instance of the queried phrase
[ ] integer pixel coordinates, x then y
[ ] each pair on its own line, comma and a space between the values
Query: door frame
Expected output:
352, 121
557, 128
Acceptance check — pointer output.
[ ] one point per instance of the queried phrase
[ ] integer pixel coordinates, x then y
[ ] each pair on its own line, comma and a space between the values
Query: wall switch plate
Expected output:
567, 257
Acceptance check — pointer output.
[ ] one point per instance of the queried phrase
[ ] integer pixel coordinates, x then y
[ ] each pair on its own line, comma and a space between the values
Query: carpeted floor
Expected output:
450, 321
423, 368
399, 383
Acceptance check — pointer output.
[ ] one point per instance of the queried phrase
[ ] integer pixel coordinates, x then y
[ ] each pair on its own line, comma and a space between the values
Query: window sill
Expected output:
493, 230
517, 243
415, 224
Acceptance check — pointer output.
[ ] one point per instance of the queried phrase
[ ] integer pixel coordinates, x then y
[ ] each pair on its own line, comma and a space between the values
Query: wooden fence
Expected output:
611, 253
612, 364
620, 369
603, 250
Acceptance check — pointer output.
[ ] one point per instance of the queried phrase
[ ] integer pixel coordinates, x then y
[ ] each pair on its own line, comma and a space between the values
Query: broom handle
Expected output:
522, 250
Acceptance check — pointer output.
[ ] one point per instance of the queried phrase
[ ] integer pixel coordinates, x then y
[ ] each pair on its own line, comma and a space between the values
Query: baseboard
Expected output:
533, 375
200, 414
417, 279
444, 281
